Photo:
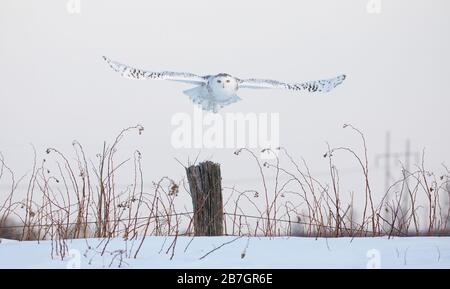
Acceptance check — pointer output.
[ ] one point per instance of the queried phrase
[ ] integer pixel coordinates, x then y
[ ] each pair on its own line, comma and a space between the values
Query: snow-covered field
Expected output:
293, 252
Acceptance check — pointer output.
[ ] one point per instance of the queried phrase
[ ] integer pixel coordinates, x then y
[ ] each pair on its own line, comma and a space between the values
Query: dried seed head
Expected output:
174, 188
140, 129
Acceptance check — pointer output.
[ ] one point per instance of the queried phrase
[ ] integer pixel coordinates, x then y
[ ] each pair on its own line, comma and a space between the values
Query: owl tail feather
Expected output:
200, 96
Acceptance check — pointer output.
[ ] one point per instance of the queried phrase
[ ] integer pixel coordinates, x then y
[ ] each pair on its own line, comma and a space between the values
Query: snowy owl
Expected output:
216, 91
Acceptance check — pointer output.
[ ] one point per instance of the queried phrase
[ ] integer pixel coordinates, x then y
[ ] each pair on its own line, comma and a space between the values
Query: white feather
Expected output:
216, 91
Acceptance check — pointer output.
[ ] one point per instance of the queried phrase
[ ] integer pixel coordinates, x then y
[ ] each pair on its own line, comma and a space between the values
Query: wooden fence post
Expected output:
205, 184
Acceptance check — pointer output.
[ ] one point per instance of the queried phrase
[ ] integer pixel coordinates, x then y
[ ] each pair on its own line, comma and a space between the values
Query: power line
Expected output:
387, 156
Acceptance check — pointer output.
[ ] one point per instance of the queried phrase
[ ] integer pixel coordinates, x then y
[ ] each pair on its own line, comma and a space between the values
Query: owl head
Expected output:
223, 81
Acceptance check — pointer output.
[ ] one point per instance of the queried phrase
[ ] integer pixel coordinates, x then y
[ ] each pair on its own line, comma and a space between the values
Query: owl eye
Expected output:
228, 80
219, 81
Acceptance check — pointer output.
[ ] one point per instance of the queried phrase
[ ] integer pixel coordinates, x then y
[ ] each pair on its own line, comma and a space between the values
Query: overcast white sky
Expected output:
54, 86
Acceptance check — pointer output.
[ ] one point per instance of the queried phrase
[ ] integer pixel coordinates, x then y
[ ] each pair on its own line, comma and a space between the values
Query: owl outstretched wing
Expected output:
324, 85
136, 73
